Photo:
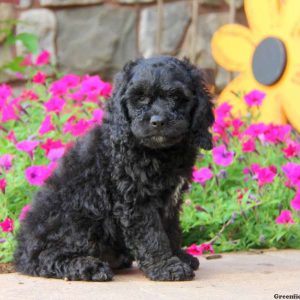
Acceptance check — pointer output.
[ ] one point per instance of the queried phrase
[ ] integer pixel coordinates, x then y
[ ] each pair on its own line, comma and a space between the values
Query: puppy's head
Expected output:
162, 100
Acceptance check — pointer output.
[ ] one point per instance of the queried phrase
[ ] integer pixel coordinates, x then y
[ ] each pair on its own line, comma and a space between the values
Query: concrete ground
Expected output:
234, 276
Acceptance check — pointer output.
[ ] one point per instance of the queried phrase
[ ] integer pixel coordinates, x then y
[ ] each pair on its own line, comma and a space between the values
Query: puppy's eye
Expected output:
143, 100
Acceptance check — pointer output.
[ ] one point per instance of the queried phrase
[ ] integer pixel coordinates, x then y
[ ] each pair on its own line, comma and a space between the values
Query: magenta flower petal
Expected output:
46, 125
255, 98
295, 203
39, 77
24, 212
202, 175
7, 225
6, 161
222, 156
285, 217
292, 172
3, 184
56, 153
43, 58
36, 175
55, 104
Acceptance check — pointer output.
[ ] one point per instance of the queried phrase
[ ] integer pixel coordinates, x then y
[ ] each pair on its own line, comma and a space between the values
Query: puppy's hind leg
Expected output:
74, 267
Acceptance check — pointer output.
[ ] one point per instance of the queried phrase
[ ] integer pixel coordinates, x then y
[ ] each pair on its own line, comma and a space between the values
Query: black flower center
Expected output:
269, 61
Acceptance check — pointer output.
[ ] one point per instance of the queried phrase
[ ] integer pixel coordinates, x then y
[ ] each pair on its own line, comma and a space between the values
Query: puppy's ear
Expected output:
203, 117
117, 105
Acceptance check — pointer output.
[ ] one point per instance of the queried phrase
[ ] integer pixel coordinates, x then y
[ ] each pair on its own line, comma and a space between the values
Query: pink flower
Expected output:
76, 129
29, 95
292, 149
9, 113
254, 130
39, 77
11, 137
19, 75
292, 172
196, 250
237, 124
295, 203
222, 156
285, 217
6, 161
5, 93
255, 98
3, 185
59, 88
7, 225
27, 61
98, 115
56, 153
27, 146
55, 104
71, 80
249, 146
36, 175
266, 175
43, 58
223, 111
51, 144
24, 212
202, 175
93, 87
46, 125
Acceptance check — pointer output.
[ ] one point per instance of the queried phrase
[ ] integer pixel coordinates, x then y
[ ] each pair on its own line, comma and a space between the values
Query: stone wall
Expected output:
99, 36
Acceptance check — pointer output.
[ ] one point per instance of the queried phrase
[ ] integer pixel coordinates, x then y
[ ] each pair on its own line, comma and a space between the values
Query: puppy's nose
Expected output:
157, 121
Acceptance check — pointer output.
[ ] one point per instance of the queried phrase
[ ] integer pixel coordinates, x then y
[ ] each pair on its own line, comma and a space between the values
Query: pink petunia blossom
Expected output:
292, 149
76, 129
56, 153
27, 146
55, 104
266, 175
236, 124
11, 136
24, 212
46, 125
292, 172
222, 156
36, 175
59, 88
295, 203
285, 217
275, 134
5, 93
249, 146
223, 111
202, 175
39, 77
70, 80
19, 75
6, 161
254, 130
93, 87
3, 184
7, 225
98, 115
9, 113
43, 58
255, 98
27, 61
196, 250
51, 144
29, 95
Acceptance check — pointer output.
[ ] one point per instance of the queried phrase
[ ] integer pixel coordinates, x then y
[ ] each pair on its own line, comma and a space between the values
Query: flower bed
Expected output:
245, 193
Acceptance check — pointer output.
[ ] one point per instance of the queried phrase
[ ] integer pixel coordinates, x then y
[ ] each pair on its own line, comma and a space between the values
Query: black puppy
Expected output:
116, 195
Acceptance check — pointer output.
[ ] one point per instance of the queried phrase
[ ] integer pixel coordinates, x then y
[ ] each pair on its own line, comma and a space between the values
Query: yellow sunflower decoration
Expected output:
267, 57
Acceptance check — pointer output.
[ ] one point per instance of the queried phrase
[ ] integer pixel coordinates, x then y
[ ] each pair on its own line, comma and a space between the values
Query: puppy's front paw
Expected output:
172, 269
192, 261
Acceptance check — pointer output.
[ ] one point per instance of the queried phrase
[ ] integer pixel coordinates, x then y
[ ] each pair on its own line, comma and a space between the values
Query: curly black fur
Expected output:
116, 195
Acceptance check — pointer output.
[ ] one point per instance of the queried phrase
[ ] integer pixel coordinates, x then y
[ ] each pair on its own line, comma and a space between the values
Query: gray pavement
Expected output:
234, 276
